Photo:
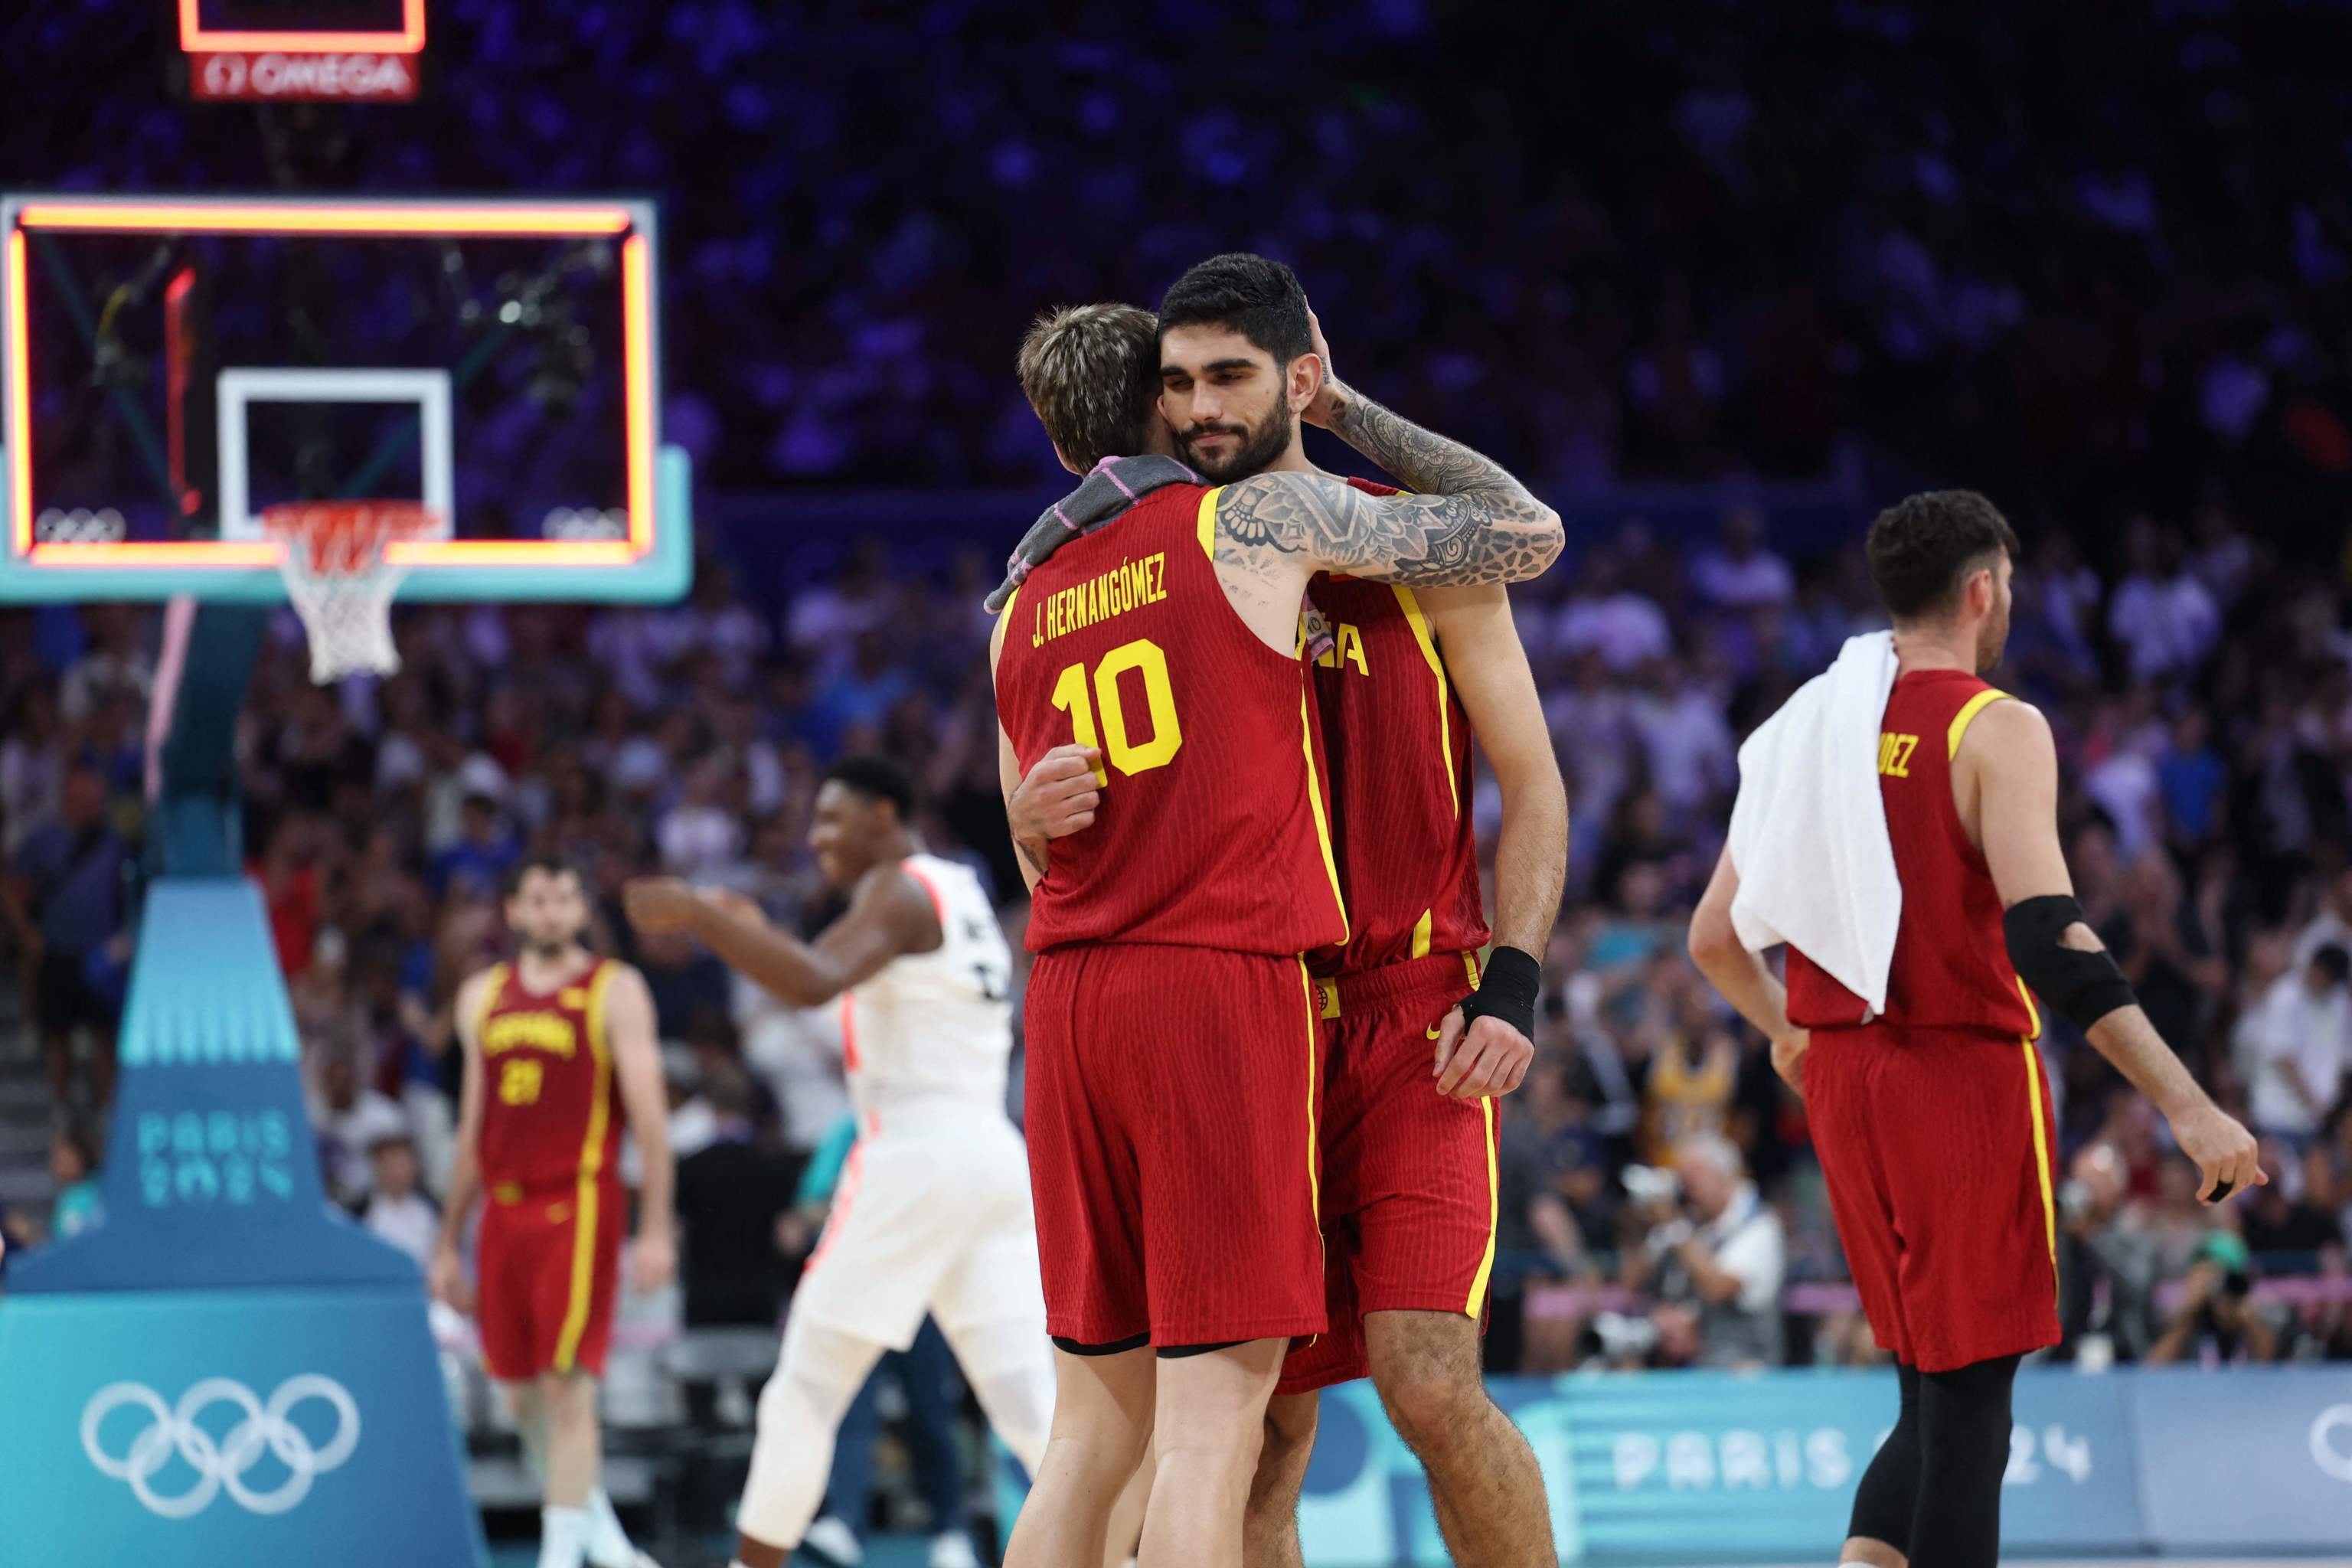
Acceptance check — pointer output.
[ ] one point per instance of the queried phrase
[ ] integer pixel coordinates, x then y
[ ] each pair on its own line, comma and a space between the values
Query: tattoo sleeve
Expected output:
1469, 521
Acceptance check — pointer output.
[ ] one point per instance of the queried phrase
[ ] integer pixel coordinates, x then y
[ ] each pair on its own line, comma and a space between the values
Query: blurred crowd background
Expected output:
1718, 284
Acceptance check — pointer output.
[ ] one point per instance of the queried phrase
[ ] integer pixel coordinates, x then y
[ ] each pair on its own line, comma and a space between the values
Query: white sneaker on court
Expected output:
832, 1542
952, 1548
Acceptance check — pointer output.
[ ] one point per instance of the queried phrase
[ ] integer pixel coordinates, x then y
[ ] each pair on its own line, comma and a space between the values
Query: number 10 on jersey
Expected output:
1113, 738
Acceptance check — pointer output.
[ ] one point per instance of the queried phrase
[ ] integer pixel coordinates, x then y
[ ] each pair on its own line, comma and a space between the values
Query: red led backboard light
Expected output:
403, 218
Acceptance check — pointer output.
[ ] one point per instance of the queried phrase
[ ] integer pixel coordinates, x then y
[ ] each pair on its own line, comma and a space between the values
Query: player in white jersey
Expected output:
933, 1213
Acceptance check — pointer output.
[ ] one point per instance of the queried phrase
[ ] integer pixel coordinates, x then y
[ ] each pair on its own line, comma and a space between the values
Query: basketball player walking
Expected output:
557, 1042
1409, 1193
1174, 1049
1933, 1118
933, 1213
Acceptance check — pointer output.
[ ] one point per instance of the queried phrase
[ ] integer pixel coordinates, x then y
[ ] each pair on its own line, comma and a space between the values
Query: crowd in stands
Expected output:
1660, 1203
1603, 243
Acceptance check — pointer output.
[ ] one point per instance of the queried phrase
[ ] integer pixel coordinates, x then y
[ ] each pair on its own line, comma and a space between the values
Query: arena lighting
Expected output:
19, 371
422, 218
297, 217
197, 39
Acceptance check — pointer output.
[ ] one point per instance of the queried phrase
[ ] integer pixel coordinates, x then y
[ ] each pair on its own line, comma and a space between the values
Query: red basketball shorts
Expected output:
1171, 1116
1409, 1175
1936, 1146
546, 1276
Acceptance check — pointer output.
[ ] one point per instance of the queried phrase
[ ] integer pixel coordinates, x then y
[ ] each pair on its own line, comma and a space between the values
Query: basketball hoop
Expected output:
338, 580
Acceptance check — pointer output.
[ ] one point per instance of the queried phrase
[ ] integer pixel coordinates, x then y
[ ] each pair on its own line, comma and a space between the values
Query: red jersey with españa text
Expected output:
1213, 828
1951, 966
551, 1109
1397, 744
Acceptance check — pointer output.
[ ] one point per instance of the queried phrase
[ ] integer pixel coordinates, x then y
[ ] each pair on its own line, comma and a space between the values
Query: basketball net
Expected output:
339, 582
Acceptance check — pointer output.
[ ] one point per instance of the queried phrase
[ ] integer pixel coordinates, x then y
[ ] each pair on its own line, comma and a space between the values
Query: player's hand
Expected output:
653, 1261
1489, 1057
1319, 410
1788, 1058
1059, 796
2224, 1150
659, 904
446, 1276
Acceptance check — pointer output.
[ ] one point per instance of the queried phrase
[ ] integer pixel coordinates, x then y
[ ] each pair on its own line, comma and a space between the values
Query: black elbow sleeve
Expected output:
2084, 987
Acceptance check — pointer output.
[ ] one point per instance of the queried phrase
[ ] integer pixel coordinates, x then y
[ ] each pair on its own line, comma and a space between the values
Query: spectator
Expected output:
1716, 1265
1742, 573
350, 1119
2298, 1234
485, 851
731, 1194
2108, 1261
67, 906
2217, 1316
2301, 1044
73, 1168
396, 1209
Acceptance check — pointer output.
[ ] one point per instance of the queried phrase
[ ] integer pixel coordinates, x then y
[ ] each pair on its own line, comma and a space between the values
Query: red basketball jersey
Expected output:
1951, 963
551, 1110
1398, 743
1213, 829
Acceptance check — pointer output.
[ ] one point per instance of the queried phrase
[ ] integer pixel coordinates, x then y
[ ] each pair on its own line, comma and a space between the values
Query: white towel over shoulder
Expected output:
1809, 830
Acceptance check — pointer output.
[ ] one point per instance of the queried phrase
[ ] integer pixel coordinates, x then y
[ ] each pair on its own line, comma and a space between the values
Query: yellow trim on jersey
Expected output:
592, 1164
1322, 827
1208, 523
2031, 1012
1968, 716
1421, 933
2042, 1154
1419, 624
1314, 1174
1008, 603
1494, 1214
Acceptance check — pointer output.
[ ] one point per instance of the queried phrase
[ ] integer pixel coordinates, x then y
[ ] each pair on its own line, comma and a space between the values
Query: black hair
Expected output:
553, 865
2332, 961
1258, 298
1925, 546
878, 778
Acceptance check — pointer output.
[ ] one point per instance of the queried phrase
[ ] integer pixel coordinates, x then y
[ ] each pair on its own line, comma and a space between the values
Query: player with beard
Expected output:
559, 1050
1173, 1033
1420, 1039
1932, 1115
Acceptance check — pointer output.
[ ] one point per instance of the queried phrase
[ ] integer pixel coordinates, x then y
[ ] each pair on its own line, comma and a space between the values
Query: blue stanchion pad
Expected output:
224, 1373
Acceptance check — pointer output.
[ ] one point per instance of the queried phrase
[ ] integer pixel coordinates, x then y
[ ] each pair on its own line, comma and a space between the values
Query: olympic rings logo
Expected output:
173, 1430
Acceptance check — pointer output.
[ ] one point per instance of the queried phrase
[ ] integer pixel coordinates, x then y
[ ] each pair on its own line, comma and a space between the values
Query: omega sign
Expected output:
325, 78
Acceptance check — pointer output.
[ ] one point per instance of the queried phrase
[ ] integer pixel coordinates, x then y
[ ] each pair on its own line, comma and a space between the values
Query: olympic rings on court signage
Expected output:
172, 1429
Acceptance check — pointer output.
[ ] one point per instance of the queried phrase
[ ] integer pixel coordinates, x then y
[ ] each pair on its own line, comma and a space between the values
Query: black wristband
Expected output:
1507, 990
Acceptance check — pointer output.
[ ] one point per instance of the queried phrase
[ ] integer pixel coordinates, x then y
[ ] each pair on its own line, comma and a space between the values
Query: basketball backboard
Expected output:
172, 366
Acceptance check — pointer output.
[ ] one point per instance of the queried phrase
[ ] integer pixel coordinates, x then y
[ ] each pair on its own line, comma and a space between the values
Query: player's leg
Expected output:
1964, 1431
1880, 1533
1270, 1528
818, 1374
574, 1452
926, 1371
1125, 1536
989, 1308
1482, 1477
1210, 1419
1419, 1169
1102, 1427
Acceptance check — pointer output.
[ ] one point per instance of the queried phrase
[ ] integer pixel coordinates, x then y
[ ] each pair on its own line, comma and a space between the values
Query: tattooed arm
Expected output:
1470, 522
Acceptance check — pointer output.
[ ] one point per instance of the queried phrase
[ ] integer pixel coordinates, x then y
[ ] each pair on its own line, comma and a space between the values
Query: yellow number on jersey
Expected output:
518, 1081
1071, 696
